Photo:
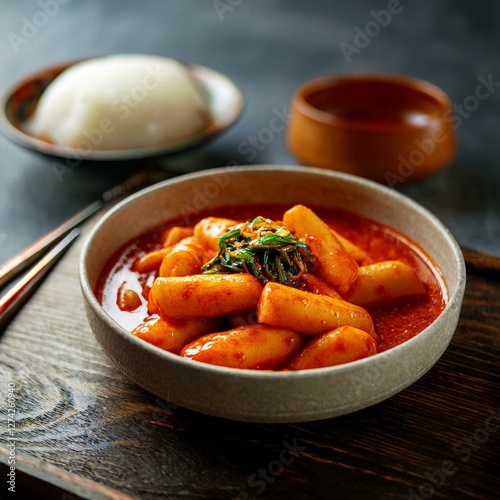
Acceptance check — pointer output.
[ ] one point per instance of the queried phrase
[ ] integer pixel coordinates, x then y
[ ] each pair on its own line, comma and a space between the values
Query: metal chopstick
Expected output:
14, 298
26, 257
65, 233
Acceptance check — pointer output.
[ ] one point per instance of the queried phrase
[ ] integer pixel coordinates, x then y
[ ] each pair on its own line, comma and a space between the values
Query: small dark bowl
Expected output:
18, 104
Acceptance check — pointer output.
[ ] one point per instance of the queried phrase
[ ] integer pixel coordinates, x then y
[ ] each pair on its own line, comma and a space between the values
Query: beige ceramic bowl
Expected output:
255, 396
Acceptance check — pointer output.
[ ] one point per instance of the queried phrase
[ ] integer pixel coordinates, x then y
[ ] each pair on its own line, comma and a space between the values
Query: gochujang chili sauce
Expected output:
118, 276
123, 292
395, 323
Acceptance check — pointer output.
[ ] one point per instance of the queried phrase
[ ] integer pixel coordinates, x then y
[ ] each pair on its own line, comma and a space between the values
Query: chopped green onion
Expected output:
263, 248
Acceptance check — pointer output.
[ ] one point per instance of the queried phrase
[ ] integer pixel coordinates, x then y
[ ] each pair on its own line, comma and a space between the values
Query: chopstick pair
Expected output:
16, 296
52, 246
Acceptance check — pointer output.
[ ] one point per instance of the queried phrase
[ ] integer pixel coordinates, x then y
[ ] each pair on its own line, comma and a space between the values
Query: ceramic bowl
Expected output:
19, 102
249, 395
388, 128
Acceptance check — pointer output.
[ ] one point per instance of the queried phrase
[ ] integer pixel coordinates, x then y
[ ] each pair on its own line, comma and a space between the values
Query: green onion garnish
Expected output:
263, 248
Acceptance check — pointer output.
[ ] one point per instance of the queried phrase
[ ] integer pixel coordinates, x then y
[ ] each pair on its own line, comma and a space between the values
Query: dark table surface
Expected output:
268, 49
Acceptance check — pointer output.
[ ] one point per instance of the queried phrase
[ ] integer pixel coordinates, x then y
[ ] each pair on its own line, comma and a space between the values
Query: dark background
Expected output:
268, 48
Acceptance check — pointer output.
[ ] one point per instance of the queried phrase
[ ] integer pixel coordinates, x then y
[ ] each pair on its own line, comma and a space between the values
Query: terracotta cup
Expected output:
388, 128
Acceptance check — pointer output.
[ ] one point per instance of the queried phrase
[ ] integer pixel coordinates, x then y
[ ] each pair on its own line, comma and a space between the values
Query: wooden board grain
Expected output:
77, 413
41, 480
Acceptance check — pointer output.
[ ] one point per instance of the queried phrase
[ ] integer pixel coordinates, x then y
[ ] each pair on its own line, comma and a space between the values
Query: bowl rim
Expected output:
300, 103
454, 298
204, 76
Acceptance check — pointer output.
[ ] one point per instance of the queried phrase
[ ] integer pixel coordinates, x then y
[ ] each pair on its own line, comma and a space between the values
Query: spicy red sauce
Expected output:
395, 324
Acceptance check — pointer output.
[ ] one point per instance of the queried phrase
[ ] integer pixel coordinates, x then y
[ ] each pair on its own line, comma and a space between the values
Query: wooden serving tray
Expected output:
84, 430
